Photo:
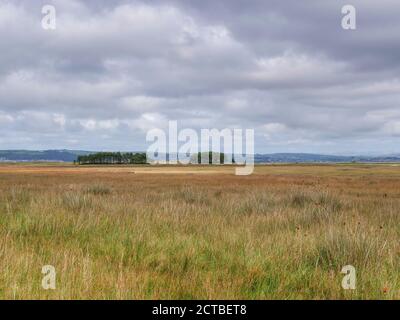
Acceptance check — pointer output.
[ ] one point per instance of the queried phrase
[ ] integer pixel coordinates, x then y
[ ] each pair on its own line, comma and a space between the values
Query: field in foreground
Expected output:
181, 233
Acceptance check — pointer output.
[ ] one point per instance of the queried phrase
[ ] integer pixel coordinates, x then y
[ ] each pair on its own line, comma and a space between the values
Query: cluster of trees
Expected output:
113, 158
213, 157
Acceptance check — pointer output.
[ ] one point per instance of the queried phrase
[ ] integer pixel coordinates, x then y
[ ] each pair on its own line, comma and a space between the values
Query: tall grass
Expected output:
113, 236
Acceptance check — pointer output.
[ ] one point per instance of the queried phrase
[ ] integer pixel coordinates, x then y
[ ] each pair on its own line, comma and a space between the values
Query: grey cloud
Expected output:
114, 69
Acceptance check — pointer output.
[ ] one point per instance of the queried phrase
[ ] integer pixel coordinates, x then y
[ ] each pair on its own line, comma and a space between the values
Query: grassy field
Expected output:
284, 232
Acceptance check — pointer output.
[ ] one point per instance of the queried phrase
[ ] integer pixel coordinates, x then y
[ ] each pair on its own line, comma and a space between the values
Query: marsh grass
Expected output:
98, 189
113, 236
75, 201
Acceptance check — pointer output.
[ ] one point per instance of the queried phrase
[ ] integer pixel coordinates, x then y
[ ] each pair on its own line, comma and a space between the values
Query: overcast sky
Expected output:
112, 70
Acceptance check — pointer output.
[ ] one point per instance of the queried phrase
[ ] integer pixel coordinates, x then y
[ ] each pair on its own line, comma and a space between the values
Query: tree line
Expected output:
113, 158
213, 157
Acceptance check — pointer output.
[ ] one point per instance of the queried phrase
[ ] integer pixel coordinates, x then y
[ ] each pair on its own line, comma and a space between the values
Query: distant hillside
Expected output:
72, 155
46, 155
320, 158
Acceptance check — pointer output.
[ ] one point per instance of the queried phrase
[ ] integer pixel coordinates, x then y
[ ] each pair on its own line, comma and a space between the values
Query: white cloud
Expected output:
121, 68
392, 128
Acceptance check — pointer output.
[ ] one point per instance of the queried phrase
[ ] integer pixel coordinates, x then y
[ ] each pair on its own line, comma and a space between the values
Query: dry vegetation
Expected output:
284, 232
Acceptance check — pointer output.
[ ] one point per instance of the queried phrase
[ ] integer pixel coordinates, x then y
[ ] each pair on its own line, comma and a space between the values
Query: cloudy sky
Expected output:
112, 70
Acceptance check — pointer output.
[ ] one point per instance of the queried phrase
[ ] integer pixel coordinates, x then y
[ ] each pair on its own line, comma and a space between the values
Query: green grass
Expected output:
205, 237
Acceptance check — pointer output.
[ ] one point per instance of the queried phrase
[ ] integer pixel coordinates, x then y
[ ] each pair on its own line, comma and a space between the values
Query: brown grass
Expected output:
122, 233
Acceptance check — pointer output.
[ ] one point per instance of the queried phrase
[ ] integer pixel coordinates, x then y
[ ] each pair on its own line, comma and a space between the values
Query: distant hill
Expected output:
71, 155
45, 155
319, 158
